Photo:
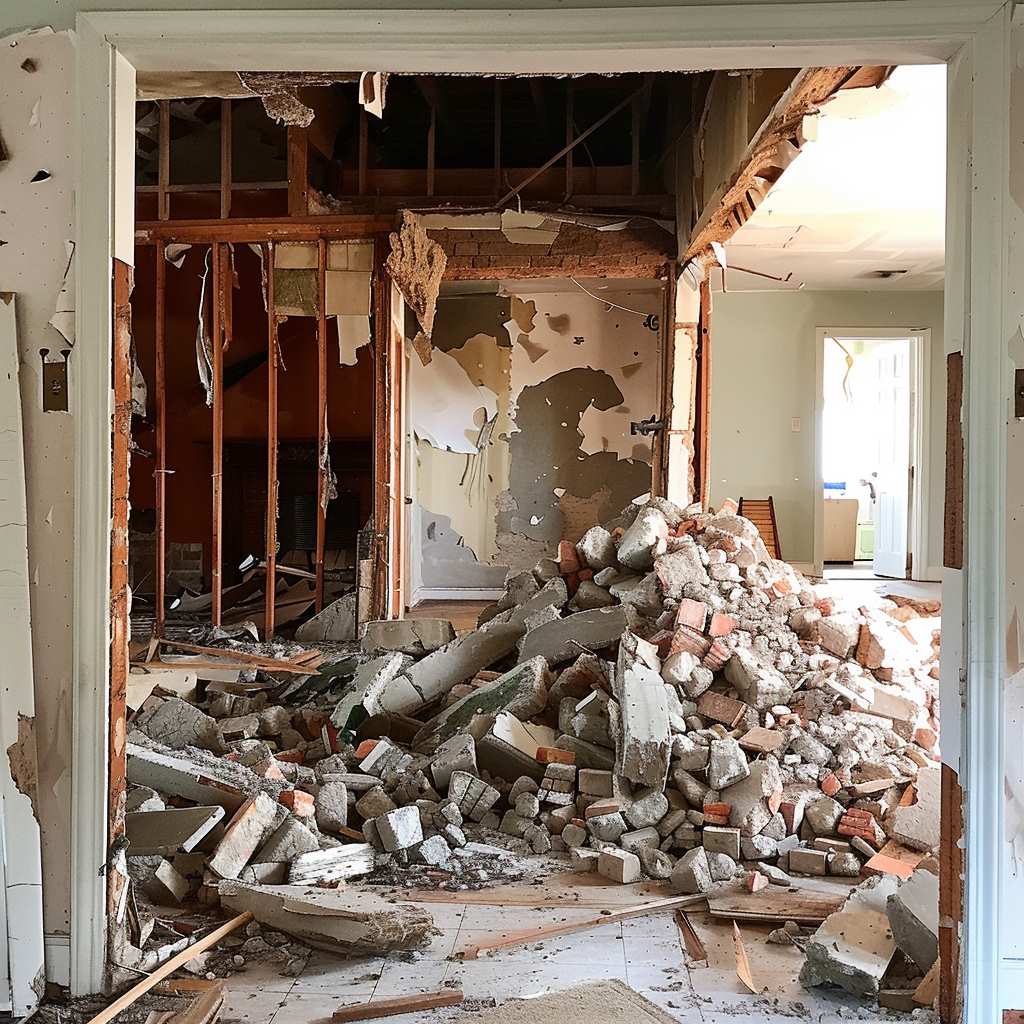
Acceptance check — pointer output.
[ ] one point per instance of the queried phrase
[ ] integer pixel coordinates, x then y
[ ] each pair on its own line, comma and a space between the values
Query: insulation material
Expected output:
350, 255
445, 407
204, 348
279, 91
353, 334
175, 253
295, 291
528, 228
416, 264
295, 256
63, 319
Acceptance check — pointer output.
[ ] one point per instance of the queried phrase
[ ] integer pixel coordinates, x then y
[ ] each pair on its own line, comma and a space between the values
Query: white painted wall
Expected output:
763, 376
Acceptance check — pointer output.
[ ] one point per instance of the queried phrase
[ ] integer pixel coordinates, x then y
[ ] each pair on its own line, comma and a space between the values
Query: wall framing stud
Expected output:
323, 442
217, 475
160, 483
271, 525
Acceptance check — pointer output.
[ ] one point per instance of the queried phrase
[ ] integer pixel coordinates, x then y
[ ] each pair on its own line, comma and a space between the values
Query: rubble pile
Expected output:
664, 700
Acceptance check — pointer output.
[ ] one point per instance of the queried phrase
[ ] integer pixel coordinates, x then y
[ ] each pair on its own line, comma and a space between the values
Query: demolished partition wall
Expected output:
521, 423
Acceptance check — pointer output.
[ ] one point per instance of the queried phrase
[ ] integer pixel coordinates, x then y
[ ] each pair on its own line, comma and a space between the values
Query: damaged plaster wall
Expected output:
569, 372
763, 352
36, 123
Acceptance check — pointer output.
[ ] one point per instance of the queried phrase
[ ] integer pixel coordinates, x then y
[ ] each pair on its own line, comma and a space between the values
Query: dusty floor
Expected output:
646, 953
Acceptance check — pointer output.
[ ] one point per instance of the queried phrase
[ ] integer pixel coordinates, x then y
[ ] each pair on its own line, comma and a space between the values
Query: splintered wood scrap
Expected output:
256, 660
169, 967
400, 1004
742, 961
691, 940
927, 992
548, 931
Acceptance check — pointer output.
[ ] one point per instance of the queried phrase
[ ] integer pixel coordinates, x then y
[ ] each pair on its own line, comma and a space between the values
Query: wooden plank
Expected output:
951, 892
163, 171
399, 1004
205, 1008
497, 136
802, 906
926, 993
169, 967
691, 940
225, 158
267, 664
363, 154
953, 518
702, 442
263, 229
742, 960
542, 932
431, 149
217, 413
298, 171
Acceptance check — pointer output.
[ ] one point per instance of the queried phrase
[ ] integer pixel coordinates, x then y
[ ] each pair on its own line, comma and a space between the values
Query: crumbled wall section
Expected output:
24, 763
417, 264
637, 247
35, 227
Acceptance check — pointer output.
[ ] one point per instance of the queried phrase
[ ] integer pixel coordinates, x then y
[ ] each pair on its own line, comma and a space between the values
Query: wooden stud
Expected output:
364, 145
322, 483
703, 444
569, 129
163, 203
634, 135
951, 892
160, 472
261, 230
225, 159
217, 412
497, 136
399, 1004
298, 171
381, 428
271, 524
431, 149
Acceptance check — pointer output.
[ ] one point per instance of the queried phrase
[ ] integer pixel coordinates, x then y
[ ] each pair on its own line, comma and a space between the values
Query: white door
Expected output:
892, 458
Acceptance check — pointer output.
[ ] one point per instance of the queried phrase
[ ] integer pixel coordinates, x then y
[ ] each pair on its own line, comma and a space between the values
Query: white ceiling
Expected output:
866, 197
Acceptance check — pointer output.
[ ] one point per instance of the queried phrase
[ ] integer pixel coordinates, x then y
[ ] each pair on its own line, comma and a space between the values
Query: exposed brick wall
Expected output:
640, 250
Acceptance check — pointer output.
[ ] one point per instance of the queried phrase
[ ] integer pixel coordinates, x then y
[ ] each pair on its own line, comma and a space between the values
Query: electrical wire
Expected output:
611, 305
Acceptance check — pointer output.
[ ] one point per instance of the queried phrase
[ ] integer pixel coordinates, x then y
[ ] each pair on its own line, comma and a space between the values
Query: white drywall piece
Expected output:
21, 867
445, 407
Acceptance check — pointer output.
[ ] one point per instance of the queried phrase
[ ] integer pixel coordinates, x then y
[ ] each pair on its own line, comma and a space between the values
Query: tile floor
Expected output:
644, 952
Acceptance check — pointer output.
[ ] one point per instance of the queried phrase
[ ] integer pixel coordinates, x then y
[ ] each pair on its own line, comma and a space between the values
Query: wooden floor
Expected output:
461, 614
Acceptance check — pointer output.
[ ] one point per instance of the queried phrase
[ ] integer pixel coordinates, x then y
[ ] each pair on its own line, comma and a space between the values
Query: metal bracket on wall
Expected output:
55, 381
647, 426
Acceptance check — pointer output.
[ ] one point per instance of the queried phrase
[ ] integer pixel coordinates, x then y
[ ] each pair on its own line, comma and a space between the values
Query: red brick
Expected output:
568, 558
721, 624
364, 749
830, 785
692, 613
299, 803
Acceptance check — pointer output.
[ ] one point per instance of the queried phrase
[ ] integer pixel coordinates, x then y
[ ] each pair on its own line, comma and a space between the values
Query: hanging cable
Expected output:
609, 303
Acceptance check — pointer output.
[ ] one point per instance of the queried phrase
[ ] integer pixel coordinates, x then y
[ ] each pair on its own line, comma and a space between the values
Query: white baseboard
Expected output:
452, 594
933, 574
57, 957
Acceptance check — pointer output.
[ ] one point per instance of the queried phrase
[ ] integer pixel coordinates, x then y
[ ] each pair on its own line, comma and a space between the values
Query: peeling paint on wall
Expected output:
23, 762
447, 561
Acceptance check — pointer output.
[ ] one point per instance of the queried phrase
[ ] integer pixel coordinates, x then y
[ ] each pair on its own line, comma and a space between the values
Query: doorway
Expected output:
871, 453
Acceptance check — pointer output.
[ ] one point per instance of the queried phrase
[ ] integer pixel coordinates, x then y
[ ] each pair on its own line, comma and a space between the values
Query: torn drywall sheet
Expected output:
353, 334
279, 91
175, 253
528, 228
372, 86
63, 319
416, 264
347, 292
445, 407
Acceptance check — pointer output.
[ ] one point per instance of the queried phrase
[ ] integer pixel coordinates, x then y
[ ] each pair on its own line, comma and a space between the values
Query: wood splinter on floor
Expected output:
742, 961
400, 1004
691, 940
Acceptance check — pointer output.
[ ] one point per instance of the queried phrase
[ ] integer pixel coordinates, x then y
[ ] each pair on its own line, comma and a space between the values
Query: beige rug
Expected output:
599, 1002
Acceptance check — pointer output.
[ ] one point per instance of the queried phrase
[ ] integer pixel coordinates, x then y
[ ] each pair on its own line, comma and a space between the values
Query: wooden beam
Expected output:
364, 145
570, 98
225, 159
163, 172
381, 429
217, 412
763, 157
298, 171
160, 470
547, 931
271, 524
634, 138
322, 462
951, 892
169, 967
399, 1004
261, 230
703, 438
569, 146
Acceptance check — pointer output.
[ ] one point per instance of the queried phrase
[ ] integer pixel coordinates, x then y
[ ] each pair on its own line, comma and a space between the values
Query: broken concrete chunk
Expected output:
166, 832
754, 800
331, 865
913, 912
399, 829
913, 825
566, 638
619, 865
177, 724
640, 719
758, 683
680, 567
596, 549
838, 634
332, 806
456, 754
852, 948
337, 622
727, 763
332, 919
644, 540
243, 834
288, 841
521, 692
407, 636
472, 795
692, 872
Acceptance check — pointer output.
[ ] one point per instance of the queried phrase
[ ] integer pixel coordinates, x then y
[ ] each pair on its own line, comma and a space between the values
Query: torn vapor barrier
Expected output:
204, 348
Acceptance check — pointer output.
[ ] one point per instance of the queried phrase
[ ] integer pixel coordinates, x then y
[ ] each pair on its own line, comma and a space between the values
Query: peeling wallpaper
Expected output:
497, 486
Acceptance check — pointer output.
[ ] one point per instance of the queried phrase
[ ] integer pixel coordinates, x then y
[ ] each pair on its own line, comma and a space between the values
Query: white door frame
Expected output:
972, 35
920, 339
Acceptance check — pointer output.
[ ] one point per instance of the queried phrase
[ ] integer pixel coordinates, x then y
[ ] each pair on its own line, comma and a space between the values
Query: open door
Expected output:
893, 459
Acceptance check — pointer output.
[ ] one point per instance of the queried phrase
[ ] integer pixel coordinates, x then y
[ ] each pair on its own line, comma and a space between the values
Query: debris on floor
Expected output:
661, 701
